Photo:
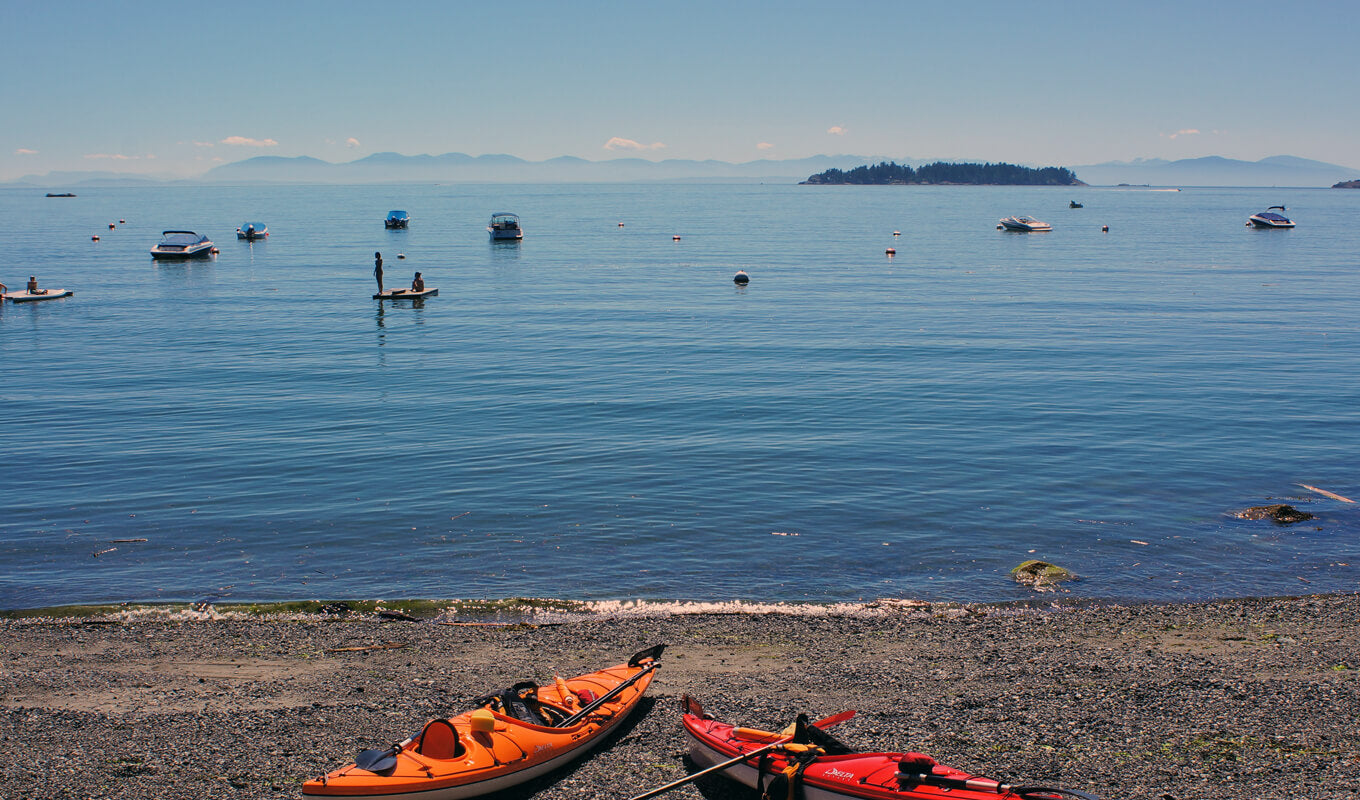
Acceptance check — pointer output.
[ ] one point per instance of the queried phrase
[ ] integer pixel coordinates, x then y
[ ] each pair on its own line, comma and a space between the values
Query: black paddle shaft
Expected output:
651, 653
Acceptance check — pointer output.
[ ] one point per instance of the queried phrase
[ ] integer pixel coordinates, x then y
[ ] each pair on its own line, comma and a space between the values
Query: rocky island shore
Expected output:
1252, 698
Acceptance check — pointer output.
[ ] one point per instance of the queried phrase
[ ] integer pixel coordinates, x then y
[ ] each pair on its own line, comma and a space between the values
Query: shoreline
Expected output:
556, 611
1248, 697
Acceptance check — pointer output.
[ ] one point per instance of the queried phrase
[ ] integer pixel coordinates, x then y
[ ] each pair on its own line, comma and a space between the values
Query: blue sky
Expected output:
176, 88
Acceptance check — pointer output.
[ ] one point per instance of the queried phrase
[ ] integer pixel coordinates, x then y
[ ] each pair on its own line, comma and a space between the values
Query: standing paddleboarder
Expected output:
377, 270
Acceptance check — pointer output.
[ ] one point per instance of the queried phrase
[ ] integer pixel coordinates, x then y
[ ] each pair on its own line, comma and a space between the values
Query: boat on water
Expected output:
397, 219
181, 245
41, 294
511, 736
250, 231
61, 194
504, 225
1074, 204
825, 768
1270, 219
1023, 223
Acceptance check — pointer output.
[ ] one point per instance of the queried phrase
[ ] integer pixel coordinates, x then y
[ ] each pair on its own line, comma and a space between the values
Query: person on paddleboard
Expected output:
377, 270
417, 283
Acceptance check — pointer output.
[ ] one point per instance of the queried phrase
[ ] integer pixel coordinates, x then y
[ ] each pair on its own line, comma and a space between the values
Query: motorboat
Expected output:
250, 231
1269, 219
1074, 204
504, 225
1023, 223
397, 219
180, 245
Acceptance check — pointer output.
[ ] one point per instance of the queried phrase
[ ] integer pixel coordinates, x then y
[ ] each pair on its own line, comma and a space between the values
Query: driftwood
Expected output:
366, 648
1326, 493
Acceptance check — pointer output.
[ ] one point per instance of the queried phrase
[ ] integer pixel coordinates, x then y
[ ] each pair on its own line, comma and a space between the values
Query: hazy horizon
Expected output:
165, 89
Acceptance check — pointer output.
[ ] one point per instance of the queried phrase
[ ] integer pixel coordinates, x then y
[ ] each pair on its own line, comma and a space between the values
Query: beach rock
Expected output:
1279, 513
1041, 575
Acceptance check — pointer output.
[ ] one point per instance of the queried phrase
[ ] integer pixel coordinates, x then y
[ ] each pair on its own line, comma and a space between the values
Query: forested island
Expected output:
1355, 184
940, 173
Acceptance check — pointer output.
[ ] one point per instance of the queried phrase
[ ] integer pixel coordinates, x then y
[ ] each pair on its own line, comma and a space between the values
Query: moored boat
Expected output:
504, 225
1269, 219
250, 231
181, 244
397, 219
512, 736
1023, 223
827, 769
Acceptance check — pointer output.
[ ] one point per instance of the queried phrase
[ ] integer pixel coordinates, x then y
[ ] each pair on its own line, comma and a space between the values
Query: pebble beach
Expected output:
1253, 698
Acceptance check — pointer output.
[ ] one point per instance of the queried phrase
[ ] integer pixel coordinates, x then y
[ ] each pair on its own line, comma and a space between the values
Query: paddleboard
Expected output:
50, 294
403, 294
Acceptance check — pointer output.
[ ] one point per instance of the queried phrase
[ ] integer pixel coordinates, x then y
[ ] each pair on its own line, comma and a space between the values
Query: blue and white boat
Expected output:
1023, 223
251, 231
397, 219
1269, 219
181, 245
503, 226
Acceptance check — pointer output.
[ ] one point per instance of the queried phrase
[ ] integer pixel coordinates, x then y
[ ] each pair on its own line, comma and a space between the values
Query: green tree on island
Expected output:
888, 172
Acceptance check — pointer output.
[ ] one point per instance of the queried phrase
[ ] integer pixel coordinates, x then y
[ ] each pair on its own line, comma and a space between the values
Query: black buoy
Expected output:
891, 251
741, 278
111, 226
401, 255
1104, 228
675, 238
94, 238
122, 222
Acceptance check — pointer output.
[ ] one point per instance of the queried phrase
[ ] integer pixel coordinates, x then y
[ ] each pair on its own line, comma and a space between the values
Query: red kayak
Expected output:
804, 761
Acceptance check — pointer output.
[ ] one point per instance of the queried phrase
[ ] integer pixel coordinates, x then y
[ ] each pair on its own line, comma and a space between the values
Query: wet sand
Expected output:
1242, 699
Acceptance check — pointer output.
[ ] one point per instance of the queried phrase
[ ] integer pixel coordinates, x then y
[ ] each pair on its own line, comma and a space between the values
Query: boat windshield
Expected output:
180, 238
505, 220
396, 215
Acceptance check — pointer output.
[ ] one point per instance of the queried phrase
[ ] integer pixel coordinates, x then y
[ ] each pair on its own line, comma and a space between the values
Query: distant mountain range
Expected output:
460, 167
1217, 171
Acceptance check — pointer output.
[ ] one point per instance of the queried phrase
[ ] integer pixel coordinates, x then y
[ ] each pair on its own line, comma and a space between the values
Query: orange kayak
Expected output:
512, 736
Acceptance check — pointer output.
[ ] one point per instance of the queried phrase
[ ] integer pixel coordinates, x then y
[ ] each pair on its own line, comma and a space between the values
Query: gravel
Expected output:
1255, 698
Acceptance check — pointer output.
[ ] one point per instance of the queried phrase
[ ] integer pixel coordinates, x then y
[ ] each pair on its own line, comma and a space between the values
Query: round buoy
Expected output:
675, 238
741, 278
122, 222
1104, 228
111, 226
897, 233
215, 251
620, 224
892, 251
94, 238
401, 255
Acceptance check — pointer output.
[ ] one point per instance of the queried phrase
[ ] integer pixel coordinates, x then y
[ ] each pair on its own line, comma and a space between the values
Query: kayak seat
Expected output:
440, 740
521, 702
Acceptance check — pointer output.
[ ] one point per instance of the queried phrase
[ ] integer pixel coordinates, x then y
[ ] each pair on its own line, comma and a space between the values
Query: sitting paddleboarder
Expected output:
33, 286
417, 283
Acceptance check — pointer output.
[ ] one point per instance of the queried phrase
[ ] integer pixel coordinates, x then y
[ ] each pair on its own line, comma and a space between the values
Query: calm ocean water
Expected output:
599, 413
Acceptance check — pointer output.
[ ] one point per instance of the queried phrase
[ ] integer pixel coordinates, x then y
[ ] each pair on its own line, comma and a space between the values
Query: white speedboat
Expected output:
1269, 219
1022, 223
397, 219
250, 231
181, 244
504, 226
